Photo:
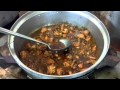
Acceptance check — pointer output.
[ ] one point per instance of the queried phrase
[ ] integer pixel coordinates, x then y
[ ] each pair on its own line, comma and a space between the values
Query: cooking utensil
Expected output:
65, 43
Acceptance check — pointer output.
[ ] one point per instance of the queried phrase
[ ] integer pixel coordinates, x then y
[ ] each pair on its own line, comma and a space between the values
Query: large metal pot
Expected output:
33, 20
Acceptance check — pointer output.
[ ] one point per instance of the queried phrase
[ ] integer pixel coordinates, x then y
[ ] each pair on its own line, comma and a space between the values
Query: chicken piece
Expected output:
46, 38
90, 61
69, 57
94, 48
80, 65
70, 72
51, 40
43, 30
33, 47
88, 38
81, 36
91, 57
74, 66
88, 53
23, 54
76, 44
64, 35
50, 61
56, 33
86, 32
58, 58
60, 34
65, 31
30, 46
62, 27
51, 69
71, 28
59, 71
56, 55
93, 61
77, 57
82, 52
49, 29
66, 64
71, 32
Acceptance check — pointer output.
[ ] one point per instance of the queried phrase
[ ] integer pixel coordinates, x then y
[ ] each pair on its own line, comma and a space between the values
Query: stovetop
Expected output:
108, 69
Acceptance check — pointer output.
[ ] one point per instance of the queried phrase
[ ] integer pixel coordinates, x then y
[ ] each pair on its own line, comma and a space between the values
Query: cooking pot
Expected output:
35, 19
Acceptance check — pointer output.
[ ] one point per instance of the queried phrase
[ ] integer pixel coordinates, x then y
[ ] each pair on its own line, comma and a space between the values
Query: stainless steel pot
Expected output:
33, 20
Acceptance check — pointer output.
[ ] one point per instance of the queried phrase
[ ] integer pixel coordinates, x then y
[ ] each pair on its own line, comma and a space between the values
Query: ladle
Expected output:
63, 44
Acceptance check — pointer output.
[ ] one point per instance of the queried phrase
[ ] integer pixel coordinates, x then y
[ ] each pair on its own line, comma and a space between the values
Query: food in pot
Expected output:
81, 56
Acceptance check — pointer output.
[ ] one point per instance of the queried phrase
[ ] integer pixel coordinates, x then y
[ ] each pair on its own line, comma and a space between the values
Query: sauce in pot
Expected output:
82, 55
57, 46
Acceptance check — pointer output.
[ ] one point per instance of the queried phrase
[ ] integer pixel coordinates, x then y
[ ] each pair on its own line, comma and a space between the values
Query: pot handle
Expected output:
112, 59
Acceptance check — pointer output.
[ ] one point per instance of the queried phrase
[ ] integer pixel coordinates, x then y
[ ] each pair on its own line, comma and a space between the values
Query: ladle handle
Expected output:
6, 31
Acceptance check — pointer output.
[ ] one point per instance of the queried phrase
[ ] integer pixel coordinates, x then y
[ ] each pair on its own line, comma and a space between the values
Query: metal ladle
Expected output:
65, 42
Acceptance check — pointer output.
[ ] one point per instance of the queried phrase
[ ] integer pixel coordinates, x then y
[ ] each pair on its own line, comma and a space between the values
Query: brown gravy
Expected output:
82, 55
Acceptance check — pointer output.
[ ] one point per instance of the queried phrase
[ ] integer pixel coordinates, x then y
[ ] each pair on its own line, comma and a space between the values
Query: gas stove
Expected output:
12, 70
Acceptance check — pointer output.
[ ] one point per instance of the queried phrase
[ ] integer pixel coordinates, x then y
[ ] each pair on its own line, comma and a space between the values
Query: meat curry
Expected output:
82, 55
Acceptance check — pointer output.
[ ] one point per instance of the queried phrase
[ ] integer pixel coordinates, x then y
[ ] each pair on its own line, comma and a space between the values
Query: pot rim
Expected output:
85, 14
